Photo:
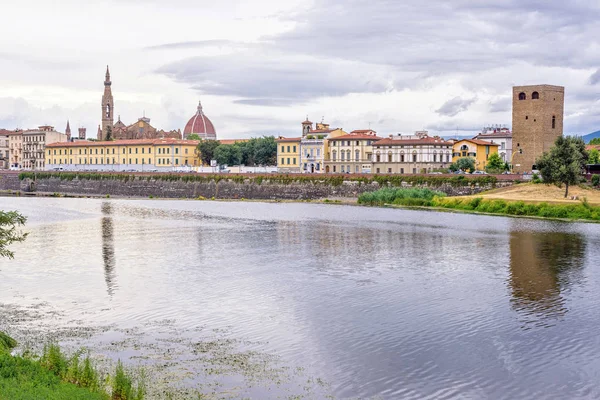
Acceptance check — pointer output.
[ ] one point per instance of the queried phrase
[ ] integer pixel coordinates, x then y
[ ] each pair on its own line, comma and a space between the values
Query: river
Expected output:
315, 300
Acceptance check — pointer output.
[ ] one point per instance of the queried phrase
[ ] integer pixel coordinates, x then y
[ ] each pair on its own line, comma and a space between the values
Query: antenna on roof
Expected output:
322, 119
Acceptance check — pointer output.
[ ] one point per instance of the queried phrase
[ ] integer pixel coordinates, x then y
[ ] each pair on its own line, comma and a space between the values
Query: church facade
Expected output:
141, 129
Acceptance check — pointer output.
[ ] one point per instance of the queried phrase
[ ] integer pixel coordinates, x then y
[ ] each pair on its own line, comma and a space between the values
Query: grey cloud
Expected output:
193, 45
501, 105
595, 77
455, 106
268, 78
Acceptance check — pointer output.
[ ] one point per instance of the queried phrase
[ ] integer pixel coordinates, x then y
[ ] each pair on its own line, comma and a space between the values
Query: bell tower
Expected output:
107, 106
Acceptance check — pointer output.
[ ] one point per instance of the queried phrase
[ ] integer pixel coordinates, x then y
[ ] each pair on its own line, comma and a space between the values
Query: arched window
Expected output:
334, 155
522, 96
357, 155
389, 156
535, 95
464, 147
553, 122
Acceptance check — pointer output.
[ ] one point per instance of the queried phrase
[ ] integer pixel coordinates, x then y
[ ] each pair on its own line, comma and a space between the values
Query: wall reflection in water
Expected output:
108, 247
544, 265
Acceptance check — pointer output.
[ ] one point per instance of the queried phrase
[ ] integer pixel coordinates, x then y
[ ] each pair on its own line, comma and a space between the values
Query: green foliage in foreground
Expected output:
9, 222
581, 211
596, 180
402, 196
57, 376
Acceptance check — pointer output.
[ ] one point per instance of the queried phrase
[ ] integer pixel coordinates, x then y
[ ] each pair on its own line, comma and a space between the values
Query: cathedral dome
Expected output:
200, 125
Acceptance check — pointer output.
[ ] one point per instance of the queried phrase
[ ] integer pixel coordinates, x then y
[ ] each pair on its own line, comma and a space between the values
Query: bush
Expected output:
400, 196
596, 180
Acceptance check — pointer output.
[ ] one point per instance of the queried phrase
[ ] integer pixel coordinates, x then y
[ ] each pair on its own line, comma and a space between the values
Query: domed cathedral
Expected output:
138, 130
200, 125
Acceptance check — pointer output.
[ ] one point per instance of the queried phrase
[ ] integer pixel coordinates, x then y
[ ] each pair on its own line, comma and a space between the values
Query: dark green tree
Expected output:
109, 135
595, 141
9, 232
463, 164
265, 151
229, 154
207, 149
564, 163
495, 164
193, 136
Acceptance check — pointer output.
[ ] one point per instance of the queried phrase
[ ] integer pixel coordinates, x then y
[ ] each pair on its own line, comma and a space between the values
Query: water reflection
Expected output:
108, 248
543, 265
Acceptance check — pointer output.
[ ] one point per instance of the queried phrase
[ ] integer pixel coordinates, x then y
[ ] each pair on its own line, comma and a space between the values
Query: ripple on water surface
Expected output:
376, 302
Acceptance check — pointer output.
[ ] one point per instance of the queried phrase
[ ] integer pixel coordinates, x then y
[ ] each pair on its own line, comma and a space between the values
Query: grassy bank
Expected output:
427, 198
56, 376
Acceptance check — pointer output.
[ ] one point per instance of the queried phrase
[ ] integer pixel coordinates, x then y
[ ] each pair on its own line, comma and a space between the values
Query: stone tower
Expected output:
82, 133
306, 126
68, 132
107, 106
537, 120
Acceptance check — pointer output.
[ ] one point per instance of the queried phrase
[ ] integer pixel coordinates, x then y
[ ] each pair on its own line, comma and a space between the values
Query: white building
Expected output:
500, 136
411, 154
34, 145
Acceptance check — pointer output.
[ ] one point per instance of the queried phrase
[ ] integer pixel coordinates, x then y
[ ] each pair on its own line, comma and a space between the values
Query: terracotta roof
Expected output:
232, 141
129, 142
307, 122
411, 142
363, 131
357, 136
479, 142
592, 146
8, 132
321, 131
288, 139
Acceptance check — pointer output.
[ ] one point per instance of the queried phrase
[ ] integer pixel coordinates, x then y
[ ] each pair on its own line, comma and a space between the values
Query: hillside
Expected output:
591, 136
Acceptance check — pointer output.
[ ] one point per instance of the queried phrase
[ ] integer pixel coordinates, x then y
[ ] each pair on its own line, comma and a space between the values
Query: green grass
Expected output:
56, 375
581, 211
400, 196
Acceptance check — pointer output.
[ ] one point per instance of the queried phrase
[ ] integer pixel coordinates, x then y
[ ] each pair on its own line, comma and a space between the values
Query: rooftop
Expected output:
129, 142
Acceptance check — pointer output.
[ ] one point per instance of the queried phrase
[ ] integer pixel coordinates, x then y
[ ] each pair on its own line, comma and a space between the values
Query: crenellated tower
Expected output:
107, 106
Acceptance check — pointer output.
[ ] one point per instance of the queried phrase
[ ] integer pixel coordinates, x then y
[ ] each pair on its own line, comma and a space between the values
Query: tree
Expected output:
464, 164
564, 163
194, 136
265, 151
595, 141
593, 156
9, 221
494, 163
109, 133
207, 149
229, 154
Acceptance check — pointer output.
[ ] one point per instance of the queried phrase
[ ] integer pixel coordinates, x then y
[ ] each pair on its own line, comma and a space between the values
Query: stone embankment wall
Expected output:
224, 188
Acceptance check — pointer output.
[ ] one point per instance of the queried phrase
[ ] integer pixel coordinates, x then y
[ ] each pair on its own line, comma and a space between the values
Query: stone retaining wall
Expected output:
224, 189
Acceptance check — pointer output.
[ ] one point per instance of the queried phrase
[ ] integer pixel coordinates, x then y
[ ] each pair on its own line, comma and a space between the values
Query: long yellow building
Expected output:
142, 154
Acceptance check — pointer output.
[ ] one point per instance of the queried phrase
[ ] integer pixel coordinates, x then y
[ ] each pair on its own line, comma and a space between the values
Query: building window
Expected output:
176, 150
150, 162
401, 157
130, 150
414, 170
136, 160
124, 161
185, 150
288, 149
389, 157
357, 155
283, 161
414, 158
553, 122
377, 170
535, 96
149, 150
342, 155
334, 168
143, 150
343, 169
283, 149
177, 161
294, 149
389, 170
401, 170
522, 96
435, 158
288, 161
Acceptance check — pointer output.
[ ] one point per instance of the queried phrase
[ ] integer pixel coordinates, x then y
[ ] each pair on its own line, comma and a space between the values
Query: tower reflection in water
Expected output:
544, 266
108, 248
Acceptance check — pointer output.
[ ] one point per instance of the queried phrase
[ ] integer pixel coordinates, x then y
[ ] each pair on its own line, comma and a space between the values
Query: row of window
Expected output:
160, 161
403, 158
160, 151
288, 161
288, 149
347, 142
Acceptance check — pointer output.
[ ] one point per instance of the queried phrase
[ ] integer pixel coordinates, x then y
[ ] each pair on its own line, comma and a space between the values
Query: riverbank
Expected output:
241, 186
580, 210
55, 375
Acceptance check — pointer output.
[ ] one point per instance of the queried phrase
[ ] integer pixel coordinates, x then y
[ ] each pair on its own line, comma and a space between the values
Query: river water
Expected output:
318, 300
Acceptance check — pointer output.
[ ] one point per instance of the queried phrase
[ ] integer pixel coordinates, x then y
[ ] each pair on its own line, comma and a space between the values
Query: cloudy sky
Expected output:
260, 67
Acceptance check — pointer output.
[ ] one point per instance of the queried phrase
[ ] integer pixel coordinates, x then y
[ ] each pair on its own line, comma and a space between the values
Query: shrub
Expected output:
596, 180
6, 342
400, 196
